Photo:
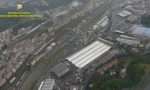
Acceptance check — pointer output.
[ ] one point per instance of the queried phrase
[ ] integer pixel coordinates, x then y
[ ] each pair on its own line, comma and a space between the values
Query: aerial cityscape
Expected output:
74, 44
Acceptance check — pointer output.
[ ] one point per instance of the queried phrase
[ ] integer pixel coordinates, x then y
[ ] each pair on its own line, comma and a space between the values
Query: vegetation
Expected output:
107, 82
135, 73
145, 20
49, 4
5, 23
25, 24
32, 5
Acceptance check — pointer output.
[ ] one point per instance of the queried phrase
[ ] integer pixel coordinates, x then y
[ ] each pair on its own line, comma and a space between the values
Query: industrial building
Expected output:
102, 23
118, 31
48, 84
140, 31
130, 42
128, 37
133, 18
124, 13
60, 69
88, 54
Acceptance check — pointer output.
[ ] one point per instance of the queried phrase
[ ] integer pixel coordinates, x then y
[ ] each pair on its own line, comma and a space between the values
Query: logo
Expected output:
19, 6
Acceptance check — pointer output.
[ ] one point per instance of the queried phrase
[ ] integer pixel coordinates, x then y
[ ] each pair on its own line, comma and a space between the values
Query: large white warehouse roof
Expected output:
88, 54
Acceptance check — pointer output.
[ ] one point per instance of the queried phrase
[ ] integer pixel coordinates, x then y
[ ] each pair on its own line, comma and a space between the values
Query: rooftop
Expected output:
48, 84
60, 69
142, 31
124, 13
88, 54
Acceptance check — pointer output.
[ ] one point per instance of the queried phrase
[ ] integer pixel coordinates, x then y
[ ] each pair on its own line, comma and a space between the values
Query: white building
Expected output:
48, 84
131, 42
124, 13
102, 23
88, 54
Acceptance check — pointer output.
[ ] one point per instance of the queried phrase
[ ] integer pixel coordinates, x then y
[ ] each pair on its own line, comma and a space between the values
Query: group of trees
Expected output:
107, 82
50, 4
145, 20
134, 75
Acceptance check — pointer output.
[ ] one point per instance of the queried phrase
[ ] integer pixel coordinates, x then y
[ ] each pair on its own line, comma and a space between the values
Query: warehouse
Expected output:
48, 84
102, 23
88, 54
130, 42
60, 69
124, 13
141, 31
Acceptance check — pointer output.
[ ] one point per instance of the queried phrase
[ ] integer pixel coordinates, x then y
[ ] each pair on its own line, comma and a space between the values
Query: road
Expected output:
40, 68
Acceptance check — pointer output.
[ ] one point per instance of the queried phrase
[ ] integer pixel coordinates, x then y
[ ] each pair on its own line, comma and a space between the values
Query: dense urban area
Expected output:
76, 45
